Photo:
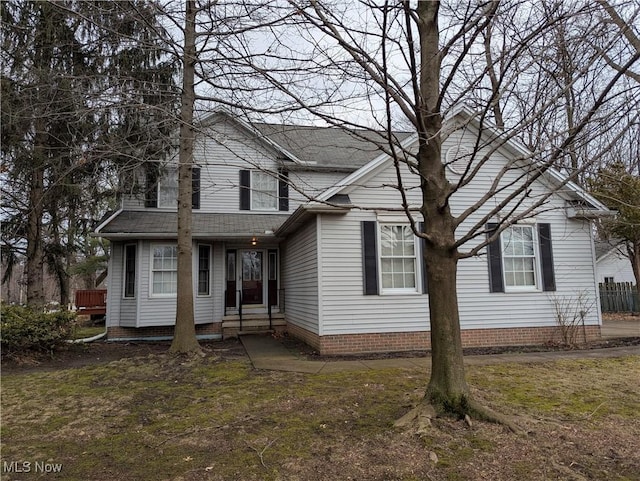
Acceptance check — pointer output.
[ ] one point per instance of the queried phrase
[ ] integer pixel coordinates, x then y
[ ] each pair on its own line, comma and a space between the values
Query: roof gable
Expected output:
461, 117
324, 148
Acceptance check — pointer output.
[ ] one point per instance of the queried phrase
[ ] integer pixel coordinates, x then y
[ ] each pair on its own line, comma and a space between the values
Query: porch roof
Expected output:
140, 224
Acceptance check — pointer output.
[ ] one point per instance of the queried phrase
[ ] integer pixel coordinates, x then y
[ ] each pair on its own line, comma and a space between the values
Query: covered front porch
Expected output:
253, 298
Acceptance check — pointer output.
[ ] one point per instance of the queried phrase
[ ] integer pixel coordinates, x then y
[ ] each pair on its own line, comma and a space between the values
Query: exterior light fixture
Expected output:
254, 241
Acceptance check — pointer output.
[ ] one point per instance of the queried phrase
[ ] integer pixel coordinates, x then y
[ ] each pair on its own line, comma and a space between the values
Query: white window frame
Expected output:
152, 271
535, 287
170, 173
270, 194
416, 289
197, 270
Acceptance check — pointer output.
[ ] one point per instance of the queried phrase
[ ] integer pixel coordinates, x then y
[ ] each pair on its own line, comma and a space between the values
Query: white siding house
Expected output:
298, 228
613, 266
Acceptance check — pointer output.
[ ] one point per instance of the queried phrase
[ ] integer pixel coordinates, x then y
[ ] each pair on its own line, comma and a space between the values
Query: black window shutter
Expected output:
546, 257
494, 255
283, 190
195, 185
369, 258
151, 185
423, 243
245, 190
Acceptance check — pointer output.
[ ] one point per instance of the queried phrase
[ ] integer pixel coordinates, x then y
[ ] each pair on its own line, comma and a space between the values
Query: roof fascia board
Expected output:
304, 212
107, 220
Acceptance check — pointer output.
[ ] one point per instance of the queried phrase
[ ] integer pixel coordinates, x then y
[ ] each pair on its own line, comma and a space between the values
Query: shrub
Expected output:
24, 329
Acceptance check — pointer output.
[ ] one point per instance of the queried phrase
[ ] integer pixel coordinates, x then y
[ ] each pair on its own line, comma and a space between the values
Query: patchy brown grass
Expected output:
156, 417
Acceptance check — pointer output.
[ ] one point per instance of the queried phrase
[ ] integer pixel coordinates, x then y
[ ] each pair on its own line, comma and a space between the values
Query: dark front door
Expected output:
252, 277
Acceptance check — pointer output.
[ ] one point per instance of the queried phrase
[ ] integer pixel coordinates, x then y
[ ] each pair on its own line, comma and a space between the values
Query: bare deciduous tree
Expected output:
409, 64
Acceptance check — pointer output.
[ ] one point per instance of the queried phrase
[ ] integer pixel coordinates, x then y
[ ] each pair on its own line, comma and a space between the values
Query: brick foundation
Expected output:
117, 332
416, 341
305, 336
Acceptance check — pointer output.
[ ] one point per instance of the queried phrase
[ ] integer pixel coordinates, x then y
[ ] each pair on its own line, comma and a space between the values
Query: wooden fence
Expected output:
619, 297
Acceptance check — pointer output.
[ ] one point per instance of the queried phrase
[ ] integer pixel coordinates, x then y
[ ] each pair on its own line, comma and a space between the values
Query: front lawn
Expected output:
156, 417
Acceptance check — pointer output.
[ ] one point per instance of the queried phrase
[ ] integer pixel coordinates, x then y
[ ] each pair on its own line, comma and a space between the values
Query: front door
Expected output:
252, 291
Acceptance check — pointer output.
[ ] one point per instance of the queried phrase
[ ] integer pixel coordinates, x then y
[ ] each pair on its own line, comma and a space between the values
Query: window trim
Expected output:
152, 248
417, 251
537, 269
275, 194
125, 295
162, 180
209, 271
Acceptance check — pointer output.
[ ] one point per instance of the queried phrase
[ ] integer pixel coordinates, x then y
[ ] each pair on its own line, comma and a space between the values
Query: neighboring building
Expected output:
612, 265
317, 249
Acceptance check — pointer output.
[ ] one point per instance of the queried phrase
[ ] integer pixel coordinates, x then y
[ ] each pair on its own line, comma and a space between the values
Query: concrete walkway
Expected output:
623, 328
268, 353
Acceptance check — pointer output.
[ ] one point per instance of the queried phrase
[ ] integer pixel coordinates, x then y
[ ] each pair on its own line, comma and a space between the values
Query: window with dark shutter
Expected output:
494, 255
245, 190
423, 261
369, 258
195, 185
546, 257
151, 184
283, 190
516, 264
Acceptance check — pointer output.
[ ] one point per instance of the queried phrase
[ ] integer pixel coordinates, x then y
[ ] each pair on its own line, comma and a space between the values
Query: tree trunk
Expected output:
633, 251
35, 251
55, 258
184, 337
447, 389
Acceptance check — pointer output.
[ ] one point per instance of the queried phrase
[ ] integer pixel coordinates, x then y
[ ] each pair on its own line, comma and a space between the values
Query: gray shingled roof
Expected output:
603, 246
204, 224
327, 146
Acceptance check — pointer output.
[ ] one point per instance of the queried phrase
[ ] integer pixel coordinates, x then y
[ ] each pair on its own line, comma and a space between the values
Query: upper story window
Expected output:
168, 188
264, 191
397, 258
162, 186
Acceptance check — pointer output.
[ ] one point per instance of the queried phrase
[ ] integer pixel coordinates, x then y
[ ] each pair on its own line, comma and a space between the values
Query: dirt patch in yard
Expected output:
620, 316
103, 352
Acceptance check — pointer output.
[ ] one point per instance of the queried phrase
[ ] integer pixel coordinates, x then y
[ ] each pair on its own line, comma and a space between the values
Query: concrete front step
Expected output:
253, 325
253, 317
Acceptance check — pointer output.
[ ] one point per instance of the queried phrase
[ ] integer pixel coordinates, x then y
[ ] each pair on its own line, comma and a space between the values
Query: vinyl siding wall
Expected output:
146, 310
220, 162
346, 310
300, 277
615, 265
120, 311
